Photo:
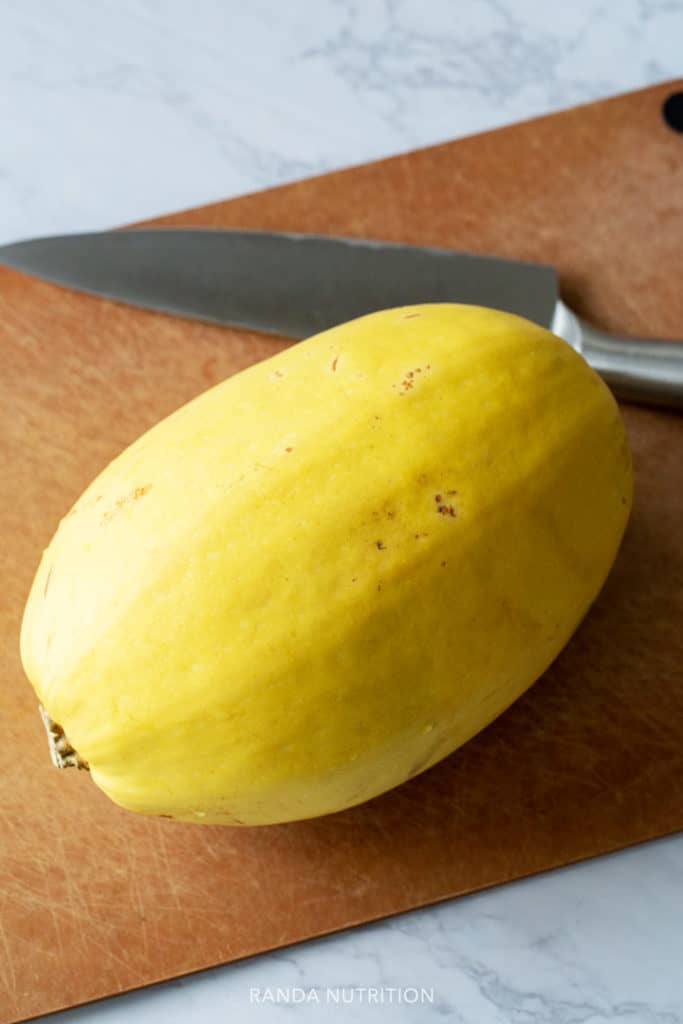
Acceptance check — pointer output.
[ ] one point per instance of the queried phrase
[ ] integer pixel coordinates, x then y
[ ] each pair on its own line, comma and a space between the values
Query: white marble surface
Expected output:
122, 109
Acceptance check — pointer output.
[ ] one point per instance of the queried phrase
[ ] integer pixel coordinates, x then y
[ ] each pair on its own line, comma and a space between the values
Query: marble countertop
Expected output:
124, 109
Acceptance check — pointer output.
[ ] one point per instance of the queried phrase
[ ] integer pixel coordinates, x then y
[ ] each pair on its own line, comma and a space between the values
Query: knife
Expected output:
300, 284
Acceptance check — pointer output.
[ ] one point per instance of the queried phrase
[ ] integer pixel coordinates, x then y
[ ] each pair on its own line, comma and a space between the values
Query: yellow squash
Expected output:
326, 573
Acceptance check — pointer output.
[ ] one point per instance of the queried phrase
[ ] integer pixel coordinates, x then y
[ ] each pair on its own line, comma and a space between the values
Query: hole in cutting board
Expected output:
672, 111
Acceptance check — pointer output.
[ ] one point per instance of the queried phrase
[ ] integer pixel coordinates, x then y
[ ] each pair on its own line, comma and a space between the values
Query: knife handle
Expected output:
645, 370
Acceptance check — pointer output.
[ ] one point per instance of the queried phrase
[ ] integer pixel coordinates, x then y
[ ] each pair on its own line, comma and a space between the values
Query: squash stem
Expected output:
62, 753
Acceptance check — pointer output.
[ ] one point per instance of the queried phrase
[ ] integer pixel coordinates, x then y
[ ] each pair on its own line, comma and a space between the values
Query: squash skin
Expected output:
325, 574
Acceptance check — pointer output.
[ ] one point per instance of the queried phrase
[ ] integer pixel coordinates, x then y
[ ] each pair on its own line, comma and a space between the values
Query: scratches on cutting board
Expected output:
7, 971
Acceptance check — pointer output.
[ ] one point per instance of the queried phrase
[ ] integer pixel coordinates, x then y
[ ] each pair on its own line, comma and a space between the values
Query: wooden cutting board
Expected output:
96, 900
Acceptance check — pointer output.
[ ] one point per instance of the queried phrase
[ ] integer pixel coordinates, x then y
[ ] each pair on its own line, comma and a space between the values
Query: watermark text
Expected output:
342, 995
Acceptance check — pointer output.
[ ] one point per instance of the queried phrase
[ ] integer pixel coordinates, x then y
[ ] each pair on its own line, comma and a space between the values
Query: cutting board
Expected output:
96, 900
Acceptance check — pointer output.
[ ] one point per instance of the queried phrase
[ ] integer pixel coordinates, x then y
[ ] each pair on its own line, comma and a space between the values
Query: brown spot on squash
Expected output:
134, 495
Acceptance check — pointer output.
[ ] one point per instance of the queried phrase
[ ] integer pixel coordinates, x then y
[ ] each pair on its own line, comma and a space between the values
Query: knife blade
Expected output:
291, 284
299, 284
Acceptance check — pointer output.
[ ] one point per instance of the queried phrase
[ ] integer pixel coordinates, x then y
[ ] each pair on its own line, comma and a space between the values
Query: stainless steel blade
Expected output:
290, 284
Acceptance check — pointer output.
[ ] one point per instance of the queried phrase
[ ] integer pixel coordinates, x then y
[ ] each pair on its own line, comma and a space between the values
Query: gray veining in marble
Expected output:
121, 109
126, 108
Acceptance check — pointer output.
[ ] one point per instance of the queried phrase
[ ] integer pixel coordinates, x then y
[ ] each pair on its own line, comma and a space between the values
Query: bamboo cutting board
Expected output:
96, 900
